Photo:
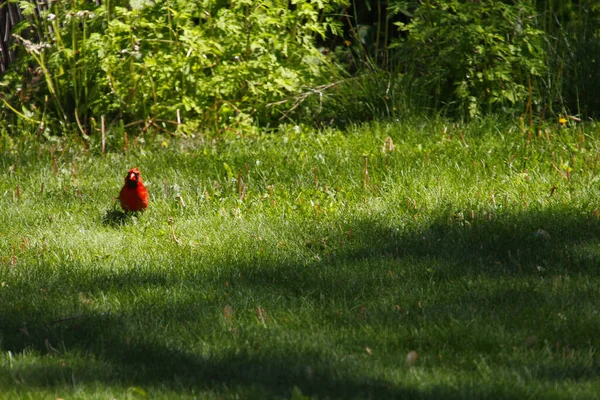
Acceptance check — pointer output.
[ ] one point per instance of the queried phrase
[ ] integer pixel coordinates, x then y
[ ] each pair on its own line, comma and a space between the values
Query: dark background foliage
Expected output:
212, 65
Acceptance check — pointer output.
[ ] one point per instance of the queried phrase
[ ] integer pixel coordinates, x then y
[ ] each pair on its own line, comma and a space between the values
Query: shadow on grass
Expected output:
115, 217
149, 365
528, 244
144, 364
506, 244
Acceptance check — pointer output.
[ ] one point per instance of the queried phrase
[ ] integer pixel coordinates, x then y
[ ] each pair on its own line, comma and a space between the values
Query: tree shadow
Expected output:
146, 364
527, 244
503, 244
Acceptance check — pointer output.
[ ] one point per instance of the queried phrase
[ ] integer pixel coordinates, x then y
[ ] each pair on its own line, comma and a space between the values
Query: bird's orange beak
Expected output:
132, 177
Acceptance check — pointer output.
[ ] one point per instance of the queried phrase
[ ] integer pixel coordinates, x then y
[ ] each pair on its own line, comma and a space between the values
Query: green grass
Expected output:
451, 246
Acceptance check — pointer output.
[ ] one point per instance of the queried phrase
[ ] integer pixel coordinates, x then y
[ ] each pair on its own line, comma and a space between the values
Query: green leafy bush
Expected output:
56, 81
219, 64
472, 56
572, 79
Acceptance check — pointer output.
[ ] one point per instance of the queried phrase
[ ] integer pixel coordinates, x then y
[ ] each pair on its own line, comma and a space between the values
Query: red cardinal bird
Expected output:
134, 195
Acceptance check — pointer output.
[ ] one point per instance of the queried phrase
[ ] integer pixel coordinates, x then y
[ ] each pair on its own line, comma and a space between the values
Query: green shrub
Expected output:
472, 57
216, 63
572, 79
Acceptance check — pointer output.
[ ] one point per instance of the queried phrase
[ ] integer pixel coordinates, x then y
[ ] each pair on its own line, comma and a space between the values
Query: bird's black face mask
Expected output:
132, 179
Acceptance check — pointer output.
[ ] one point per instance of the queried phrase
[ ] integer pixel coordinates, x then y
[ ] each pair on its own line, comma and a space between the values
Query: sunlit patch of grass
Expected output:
461, 262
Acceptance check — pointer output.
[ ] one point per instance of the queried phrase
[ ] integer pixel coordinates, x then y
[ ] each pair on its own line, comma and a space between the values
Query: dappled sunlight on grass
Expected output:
302, 274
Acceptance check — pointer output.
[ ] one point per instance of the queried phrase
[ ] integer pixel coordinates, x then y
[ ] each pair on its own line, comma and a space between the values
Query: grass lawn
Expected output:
464, 263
